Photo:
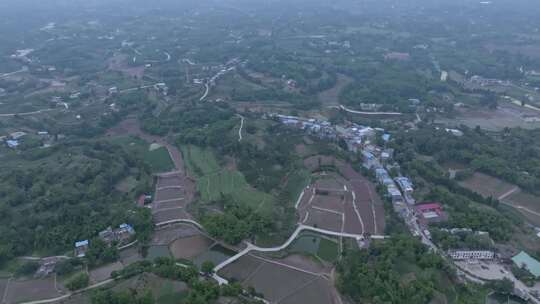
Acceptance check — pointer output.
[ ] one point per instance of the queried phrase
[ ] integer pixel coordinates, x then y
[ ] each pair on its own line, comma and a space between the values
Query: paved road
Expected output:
508, 193
241, 126
342, 107
23, 69
180, 221
25, 113
31, 258
206, 91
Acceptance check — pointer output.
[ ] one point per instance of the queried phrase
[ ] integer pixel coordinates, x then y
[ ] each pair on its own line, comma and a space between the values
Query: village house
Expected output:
394, 194
406, 187
80, 248
120, 235
12, 144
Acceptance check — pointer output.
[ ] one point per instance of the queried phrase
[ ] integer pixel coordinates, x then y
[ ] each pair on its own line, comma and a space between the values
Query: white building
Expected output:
471, 254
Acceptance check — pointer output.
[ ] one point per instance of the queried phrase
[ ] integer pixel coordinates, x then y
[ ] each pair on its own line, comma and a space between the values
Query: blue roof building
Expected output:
12, 143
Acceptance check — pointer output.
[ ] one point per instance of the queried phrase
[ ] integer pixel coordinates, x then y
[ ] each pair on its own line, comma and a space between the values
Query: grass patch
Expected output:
159, 160
328, 250
296, 182
317, 246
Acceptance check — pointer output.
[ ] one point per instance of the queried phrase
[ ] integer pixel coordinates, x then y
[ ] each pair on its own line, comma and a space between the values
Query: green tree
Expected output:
207, 267
78, 282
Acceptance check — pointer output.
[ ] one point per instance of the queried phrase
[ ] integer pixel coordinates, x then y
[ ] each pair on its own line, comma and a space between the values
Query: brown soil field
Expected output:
266, 281
3, 285
487, 185
130, 256
304, 202
118, 63
507, 115
242, 268
169, 193
527, 204
169, 215
317, 292
329, 202
312, 162
528, 201
352, 224
329, 184
168, 205
148, 281
531, 50
301, 150
364, 204
324, 220
306, 263
367, 201
22, 291
281, 284
104, 272
167, 235
169, 181
190, 247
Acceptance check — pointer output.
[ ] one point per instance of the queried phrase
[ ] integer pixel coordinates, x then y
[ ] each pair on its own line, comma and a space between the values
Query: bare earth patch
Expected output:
104, 272
190, 247
31, 290
168, 235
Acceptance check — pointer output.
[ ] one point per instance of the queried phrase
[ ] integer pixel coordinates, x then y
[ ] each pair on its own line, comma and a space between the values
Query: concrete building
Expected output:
382, 176
369, 160
405, 184
471, 254
394, 193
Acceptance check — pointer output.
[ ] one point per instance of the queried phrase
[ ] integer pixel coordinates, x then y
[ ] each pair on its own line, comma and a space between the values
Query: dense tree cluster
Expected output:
190, 123
388, 85
513, 155
472, 241
47, 208
236, 223
372, 274
79, 281
122, 297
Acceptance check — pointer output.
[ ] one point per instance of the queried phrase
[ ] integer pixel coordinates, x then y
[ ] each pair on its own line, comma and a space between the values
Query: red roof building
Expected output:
429, 213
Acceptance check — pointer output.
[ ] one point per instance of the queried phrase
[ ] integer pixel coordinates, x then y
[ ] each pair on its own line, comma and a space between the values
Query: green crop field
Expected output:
214, 181
200, 162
